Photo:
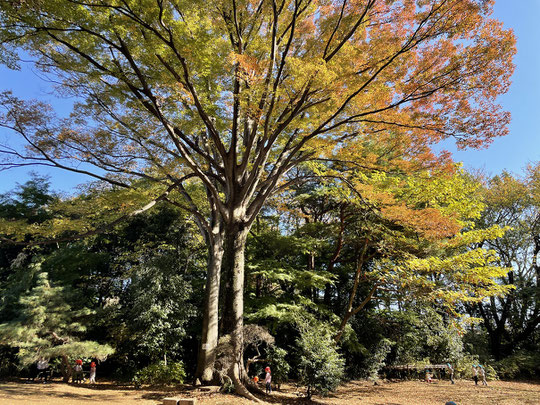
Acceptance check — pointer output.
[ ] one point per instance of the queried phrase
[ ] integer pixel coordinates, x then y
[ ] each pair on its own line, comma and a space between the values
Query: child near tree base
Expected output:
92, 372
78, 374
268, 380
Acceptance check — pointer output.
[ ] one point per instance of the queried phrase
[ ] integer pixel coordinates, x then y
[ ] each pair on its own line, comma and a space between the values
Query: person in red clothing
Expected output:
268, 380
92, 372
77, 375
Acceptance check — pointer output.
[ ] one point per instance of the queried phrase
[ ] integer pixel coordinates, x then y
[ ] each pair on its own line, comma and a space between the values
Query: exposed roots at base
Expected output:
239, 386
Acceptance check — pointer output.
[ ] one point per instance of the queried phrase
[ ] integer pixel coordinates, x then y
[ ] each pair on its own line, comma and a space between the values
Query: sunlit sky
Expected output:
511, 153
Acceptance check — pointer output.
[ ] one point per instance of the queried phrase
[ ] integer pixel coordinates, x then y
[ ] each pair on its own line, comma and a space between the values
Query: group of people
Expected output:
78, 372
478, 371
267, 380
41, 370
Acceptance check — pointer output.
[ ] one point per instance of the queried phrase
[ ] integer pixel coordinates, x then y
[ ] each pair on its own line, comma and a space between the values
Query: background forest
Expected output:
269, 188
321, 268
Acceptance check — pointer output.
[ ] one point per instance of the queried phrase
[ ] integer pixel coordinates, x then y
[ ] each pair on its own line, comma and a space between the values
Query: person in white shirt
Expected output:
43, 369
92, 372
268, 380
78, 372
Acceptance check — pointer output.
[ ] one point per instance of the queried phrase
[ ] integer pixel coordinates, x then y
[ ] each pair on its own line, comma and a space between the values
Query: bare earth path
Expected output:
355, 392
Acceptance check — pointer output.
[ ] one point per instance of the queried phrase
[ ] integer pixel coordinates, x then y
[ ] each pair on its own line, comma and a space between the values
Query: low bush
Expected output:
463, 368
160, 374
280, 367
523, 364
377, 360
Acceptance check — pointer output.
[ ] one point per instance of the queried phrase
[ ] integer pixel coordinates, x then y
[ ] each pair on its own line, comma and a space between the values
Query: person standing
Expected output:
268, 380
482, 372
77, 376
475, 374
43, 369
451, 370
93, 372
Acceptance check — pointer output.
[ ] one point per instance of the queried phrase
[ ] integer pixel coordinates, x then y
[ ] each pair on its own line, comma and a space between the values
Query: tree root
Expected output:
239, 387
253, 387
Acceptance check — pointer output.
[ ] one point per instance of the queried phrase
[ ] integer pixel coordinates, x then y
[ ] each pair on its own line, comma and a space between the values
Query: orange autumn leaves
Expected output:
430, 222
249, 68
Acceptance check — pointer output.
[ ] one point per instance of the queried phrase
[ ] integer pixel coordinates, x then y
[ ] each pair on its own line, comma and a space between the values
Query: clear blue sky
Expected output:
522, 145
512, 152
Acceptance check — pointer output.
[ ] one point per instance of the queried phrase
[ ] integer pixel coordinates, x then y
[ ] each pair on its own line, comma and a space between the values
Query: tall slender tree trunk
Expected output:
209, 339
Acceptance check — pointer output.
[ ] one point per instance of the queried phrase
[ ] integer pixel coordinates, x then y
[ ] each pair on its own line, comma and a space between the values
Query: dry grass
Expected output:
355, 392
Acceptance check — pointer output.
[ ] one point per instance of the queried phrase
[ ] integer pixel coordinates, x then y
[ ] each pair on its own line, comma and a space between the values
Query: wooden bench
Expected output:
179, 401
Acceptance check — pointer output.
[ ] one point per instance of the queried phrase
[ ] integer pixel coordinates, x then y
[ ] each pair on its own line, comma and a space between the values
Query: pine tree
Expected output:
46, 326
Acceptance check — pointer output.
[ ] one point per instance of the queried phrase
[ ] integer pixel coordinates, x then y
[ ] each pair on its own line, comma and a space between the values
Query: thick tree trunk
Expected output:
209, 339
65, 369
233, 315
496, 343
495, 325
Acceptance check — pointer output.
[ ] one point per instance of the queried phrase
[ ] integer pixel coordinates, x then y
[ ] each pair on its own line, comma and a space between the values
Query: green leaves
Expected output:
161, 374
321, 367
47, 326
273, 271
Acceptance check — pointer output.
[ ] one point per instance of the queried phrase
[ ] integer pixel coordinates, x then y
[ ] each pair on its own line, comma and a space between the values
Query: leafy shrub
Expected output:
321, 366
378, 359
280, 367
422, 333
227, 387
160, 374
8, 365
463, 368
520, 364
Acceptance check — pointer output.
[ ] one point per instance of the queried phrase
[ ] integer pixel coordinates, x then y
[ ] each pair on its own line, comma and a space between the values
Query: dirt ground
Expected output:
355, 392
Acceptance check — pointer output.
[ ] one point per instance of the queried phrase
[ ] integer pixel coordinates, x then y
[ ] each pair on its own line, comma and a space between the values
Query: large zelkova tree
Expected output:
228, 96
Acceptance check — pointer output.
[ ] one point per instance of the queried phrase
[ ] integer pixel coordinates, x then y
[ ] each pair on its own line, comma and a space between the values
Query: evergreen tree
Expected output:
157, 310
48, 327
321, 366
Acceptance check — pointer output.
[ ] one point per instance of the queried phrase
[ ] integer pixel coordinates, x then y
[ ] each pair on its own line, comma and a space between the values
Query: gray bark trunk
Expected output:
209, 338
233, 317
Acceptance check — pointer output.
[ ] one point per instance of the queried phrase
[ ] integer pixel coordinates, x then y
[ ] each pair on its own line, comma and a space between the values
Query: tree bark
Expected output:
209, 338
65, 369
351, 312
233, 314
